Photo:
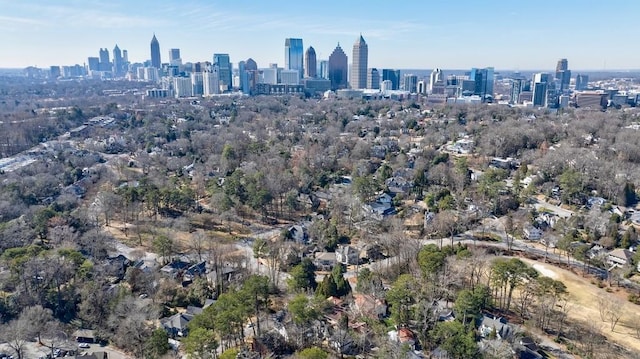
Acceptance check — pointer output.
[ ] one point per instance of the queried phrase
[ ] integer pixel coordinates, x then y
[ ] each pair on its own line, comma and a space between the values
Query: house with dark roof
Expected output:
490, 323
176, 325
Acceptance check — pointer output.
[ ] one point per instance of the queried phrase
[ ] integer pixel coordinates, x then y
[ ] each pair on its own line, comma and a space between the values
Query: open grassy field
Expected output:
584, 298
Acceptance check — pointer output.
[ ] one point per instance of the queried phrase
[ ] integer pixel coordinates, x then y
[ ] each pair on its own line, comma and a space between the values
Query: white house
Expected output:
347, 255
532, 233
619, 257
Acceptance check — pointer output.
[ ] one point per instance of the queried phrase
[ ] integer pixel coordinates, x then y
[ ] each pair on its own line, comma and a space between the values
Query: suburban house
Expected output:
369, 306
382, 206
503, 163
398, 184
225, 275
596, 251
176, 325
547, 219
619, 257
324, 261
175, 268
298, 234
445, 315
532, 233
347, 255
403, 336
462, 146
491, 323
195, 270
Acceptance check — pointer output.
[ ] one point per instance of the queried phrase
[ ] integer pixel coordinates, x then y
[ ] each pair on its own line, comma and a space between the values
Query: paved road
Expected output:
561, 212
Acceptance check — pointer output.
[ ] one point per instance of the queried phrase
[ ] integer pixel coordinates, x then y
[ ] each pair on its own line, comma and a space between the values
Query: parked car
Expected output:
84, 345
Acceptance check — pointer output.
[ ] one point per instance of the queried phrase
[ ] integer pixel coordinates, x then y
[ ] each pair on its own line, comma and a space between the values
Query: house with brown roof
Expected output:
369, 306
619, 257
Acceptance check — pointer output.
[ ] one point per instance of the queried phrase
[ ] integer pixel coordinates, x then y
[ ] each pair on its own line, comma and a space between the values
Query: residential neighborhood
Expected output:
377, 228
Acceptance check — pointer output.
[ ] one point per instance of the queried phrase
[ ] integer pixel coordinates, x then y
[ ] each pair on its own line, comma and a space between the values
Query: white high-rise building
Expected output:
422, 87
140, 73
211, 83
269, 76
151, 74
182, 87
436, 75
289, 77
386, 85
197, 81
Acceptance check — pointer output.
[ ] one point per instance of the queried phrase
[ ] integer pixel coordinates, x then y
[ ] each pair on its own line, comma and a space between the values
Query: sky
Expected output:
409, 34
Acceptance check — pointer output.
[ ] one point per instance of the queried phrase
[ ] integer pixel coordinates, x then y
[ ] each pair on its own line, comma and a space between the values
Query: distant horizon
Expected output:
497, 70
402, 35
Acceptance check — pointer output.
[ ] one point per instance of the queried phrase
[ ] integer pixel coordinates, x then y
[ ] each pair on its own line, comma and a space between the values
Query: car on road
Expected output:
84, 345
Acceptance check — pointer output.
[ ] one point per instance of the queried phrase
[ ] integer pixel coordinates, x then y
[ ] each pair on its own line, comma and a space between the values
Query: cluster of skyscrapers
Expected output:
551, 90
118, 67
303, 72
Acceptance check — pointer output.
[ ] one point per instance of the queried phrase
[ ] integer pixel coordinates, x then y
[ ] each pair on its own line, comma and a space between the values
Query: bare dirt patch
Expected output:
584, 297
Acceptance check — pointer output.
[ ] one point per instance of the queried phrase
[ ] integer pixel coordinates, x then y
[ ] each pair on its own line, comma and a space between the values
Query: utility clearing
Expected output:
584, 297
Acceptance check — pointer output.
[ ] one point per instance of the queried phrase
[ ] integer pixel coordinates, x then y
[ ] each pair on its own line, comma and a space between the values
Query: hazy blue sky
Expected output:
506, 34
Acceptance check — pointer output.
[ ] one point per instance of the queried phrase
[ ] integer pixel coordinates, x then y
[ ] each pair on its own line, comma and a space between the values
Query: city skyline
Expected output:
425, 35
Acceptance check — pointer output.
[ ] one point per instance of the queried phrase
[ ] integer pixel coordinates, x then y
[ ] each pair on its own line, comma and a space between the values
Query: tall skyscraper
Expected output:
393, 76
210, 82
293, 55
174, 57
562, 65
310, 65
243, 75
338, 68
582, 82
182, 87
436, 75
223, 62
540, 94
54, 72
483, 83
373, 79
517, 86
563, 74
422, 87
540, 89
324, 69
410, 83
251, 65
360, 63
117, 61
105, 64
93, 63
155, 53
197, 81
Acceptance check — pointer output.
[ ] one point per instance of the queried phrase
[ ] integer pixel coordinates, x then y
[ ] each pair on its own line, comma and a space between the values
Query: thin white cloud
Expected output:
209, 17
19, 20
87, 17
